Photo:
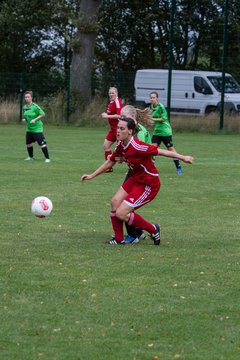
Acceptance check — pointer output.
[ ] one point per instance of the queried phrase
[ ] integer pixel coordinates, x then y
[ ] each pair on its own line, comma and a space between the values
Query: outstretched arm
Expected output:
172, 154
106, 165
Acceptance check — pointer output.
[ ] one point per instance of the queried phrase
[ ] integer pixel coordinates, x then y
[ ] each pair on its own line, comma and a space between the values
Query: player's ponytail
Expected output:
143, 116
139, 115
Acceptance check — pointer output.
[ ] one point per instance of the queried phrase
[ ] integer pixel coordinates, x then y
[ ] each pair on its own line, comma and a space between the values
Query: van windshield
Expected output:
231, 85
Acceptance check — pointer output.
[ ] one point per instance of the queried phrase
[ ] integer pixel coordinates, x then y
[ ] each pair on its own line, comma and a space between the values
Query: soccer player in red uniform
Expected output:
134, 234
141, 187
114, 107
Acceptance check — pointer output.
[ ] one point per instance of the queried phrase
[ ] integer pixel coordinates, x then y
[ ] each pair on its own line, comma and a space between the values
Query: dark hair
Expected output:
131, 124
155, 93
28, 92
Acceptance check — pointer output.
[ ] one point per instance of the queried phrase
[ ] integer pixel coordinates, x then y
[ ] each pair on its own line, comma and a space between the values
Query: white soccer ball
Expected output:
41, 206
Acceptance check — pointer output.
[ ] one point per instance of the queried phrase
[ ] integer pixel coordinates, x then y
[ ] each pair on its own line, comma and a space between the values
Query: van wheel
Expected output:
210, 109
229, 108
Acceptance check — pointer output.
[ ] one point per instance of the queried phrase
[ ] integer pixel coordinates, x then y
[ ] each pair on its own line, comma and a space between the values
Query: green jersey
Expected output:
161, 128
30, 113
143, 134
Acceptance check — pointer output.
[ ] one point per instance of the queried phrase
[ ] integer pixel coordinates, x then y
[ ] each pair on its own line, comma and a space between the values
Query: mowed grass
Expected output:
66, 295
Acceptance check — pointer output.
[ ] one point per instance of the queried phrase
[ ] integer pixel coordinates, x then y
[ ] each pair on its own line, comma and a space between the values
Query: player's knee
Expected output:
121, 215
29, 145
114, 203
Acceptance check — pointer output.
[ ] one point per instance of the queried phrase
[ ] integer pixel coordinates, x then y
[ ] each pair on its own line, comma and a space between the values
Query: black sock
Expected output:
30, 151
131, 230
138, 232
45, 151
177, 163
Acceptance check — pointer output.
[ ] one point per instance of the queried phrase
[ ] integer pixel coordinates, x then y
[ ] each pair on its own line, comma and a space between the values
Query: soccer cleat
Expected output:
47, 160
179, 171
156, 235
29, 158
114, 242
130, 240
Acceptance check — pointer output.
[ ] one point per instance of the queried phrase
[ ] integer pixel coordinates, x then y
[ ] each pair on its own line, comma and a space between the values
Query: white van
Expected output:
192, 92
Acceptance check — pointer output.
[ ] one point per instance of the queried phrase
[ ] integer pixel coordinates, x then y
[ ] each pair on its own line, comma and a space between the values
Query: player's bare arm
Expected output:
172, 154
106, 165
106, 116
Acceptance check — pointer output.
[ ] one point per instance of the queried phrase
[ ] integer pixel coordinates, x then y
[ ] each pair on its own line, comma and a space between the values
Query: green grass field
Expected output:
65, 295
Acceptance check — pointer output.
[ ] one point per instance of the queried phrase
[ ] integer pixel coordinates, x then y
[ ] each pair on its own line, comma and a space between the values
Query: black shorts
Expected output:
32, 137
167, 140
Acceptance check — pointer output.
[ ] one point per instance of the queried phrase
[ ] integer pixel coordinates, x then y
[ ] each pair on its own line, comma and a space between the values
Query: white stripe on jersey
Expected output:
135, 145
138, 146
148, 172
117, 103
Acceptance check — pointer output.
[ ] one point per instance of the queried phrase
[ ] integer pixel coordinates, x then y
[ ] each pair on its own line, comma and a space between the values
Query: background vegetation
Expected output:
129, 35
55, 108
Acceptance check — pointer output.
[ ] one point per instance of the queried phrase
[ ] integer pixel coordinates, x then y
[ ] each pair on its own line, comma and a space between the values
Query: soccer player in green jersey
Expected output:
32, 115
162, 128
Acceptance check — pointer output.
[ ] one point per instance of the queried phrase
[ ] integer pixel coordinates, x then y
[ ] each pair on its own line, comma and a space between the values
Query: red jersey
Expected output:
114, 108
138, 155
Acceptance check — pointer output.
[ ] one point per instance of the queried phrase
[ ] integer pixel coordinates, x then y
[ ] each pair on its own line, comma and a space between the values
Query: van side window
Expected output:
201, 86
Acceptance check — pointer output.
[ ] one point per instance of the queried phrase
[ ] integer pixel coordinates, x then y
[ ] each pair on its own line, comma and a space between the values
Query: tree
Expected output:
35, 36
134, 34
48, 36
83, 49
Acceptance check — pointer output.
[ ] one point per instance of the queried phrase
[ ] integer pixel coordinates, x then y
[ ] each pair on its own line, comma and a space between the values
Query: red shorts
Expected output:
139, 194
112, 134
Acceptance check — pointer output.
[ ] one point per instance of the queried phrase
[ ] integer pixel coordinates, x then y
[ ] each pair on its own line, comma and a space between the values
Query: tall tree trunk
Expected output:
83, 49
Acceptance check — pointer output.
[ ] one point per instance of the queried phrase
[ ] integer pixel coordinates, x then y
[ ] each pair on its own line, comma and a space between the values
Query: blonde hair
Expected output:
141, 116
115, 89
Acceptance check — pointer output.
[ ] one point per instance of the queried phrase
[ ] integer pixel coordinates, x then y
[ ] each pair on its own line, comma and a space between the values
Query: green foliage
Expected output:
136, 36
42, 83
34, 35
66, 295
39, 37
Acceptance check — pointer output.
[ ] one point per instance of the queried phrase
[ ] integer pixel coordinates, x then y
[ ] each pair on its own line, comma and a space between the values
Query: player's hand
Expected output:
104, 115
32, 121
188, 159
23, 120
85, 177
